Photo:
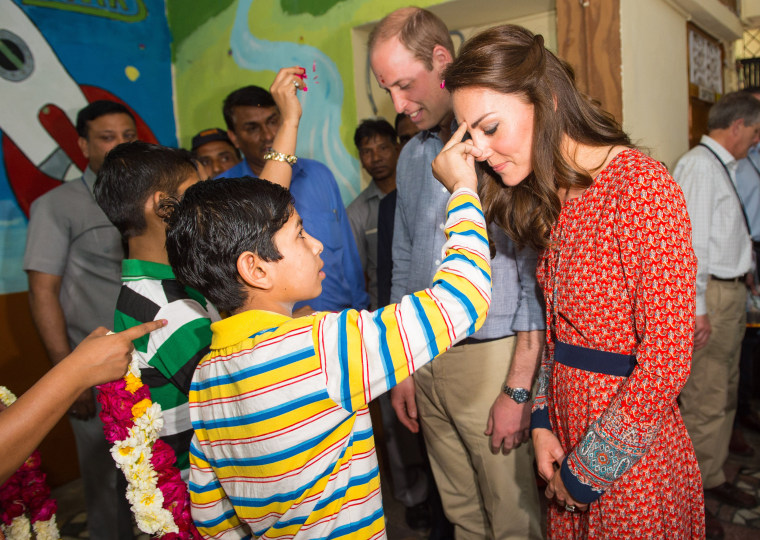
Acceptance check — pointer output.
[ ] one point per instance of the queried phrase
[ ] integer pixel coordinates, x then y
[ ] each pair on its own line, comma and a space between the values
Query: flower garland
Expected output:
27, 493
156, 491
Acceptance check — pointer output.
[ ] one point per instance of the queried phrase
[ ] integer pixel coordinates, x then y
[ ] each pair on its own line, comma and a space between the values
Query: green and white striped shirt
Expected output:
168, 356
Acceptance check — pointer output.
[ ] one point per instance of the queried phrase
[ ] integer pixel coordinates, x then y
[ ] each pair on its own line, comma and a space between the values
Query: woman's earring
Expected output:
443, 84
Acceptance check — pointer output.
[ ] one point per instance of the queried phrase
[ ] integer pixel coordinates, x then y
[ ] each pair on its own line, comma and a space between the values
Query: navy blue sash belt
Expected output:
606, 363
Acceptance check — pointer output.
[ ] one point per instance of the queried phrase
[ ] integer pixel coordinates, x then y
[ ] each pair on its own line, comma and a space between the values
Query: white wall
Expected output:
655, 77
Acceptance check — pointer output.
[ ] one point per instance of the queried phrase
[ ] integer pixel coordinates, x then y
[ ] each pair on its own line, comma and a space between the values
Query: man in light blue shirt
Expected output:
253, 121
474, 403
748, 188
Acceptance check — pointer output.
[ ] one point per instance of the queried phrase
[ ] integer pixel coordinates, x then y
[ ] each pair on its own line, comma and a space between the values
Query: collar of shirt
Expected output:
725, 156
245, 325
89, 178
135, 269
436, 132
373, 191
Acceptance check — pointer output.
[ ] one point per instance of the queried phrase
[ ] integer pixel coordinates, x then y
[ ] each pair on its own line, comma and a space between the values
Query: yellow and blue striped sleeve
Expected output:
365, 354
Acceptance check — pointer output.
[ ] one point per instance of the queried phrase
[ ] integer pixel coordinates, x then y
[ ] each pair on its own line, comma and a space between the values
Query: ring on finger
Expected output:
570, 507
296, 84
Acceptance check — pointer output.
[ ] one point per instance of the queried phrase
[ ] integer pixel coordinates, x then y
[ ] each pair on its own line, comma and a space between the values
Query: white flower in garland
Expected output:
47, 530
20, 529
133, 456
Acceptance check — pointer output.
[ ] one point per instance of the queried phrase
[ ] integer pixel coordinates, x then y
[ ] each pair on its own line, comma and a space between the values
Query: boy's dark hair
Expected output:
214, 223
248, 96
375, 126
134, 171
95, 110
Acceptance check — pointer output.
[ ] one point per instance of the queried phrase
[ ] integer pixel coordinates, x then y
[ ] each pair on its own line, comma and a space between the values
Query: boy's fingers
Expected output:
140, 330
456, 137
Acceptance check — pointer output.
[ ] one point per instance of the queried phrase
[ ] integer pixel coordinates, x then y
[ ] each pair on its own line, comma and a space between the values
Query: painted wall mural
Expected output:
55, 57
247, 41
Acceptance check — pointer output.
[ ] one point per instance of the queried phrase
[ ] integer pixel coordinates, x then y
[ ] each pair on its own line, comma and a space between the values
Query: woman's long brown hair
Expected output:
511, 60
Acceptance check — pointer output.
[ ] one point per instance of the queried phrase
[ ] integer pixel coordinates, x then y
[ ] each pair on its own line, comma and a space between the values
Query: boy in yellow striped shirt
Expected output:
283, 444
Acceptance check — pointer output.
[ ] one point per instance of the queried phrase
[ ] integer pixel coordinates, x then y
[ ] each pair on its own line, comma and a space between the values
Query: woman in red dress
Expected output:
618, 274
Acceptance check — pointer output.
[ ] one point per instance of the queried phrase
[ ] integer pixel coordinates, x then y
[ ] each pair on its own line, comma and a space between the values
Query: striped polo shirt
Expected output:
167, 356
283, 444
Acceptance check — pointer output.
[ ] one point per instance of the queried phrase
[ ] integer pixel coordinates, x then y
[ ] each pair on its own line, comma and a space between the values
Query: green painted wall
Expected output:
206, 69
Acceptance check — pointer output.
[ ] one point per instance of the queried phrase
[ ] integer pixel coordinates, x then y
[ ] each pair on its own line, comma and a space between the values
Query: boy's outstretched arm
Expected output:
367, 353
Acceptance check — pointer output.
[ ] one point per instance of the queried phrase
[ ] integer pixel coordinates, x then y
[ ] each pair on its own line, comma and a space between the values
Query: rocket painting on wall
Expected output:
56, 56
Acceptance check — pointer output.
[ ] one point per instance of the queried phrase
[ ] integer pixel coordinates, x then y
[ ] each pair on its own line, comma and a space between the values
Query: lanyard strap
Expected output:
730, 181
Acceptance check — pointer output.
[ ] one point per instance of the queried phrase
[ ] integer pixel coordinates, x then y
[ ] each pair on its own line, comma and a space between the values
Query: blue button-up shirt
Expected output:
748, 187
318, 202
418, 238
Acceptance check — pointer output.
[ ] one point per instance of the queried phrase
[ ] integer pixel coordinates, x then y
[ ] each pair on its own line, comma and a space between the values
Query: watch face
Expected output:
520, 395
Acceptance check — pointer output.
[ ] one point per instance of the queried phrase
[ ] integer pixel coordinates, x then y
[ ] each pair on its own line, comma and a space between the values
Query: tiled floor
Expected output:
739, 524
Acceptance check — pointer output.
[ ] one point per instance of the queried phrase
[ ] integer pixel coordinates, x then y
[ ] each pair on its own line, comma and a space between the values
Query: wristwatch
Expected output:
520, 395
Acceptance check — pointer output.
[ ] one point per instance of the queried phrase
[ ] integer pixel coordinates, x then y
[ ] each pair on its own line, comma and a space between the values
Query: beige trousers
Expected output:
484, 495
708, 401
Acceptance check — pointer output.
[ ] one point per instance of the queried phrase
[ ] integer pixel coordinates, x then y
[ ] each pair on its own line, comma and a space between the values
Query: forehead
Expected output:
391, 61
293, 223
245, 114
214, 147
374, 140
472, 101
113, 121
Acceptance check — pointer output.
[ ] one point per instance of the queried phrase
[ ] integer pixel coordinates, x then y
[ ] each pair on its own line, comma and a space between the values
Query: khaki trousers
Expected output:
708, 401
484, 495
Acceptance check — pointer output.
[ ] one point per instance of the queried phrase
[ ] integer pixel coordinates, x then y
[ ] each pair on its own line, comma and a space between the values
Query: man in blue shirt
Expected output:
253, 121
474, 404
748, 188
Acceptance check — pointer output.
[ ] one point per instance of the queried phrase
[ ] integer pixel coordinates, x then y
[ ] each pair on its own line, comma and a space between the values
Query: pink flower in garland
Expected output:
46, 511
163, 456
27, 492
126, 404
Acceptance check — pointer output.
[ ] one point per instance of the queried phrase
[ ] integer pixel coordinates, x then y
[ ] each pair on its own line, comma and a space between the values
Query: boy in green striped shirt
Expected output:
134, 181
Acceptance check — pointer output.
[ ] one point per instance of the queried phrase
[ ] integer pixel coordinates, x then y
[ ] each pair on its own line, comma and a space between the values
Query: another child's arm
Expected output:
285, 96
99, 358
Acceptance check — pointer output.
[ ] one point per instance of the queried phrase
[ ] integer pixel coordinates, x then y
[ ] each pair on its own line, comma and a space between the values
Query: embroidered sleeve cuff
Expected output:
582, 493
539, 418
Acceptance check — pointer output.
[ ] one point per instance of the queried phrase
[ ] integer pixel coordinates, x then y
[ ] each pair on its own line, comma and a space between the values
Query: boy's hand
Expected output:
405, 404
454, 167
284, 91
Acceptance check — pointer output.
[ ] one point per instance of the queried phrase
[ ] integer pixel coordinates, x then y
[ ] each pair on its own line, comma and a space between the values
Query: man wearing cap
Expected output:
214, 149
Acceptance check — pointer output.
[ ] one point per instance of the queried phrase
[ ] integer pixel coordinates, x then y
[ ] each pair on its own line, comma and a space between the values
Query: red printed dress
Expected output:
619, 277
